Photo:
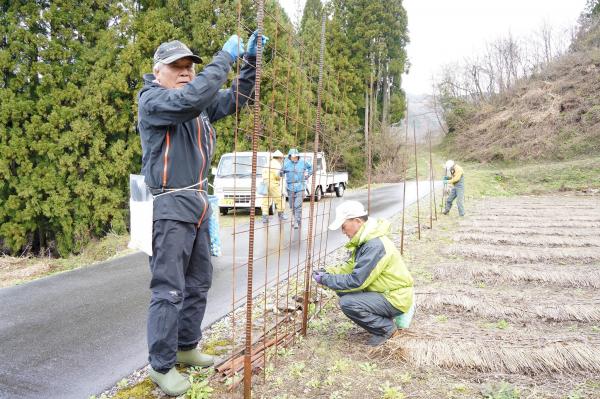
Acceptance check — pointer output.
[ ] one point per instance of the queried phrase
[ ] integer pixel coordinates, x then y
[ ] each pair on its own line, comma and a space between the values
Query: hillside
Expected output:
553, 115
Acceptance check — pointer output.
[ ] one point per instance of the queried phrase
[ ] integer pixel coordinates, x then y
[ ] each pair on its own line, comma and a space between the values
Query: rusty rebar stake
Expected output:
309, 245
257, 127
417, 180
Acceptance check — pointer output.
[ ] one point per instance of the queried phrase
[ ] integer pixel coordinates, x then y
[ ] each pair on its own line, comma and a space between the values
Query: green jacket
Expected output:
375, 265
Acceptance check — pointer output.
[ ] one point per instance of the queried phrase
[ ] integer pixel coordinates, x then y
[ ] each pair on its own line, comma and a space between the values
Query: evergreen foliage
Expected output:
71, 71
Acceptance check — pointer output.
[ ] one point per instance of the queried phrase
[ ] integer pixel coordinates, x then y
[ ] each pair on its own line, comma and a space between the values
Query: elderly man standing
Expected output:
374, 284
296, 172
175, 112
457, 180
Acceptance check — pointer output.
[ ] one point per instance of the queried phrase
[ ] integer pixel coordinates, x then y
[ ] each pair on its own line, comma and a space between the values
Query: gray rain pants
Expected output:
181, 276
371, 311
458, 193
296, 198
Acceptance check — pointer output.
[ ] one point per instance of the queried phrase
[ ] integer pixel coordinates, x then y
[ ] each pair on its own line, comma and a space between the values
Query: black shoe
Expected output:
377, 340
445, 212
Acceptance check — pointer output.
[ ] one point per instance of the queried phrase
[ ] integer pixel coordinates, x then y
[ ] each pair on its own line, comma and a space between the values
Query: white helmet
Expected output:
277, 154
449, 164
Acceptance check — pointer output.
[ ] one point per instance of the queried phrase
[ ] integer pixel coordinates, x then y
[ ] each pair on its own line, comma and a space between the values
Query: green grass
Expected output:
539, 178
110, 246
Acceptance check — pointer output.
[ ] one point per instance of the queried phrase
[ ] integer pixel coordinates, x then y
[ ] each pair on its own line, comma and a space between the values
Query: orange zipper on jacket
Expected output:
201, 171
166, 160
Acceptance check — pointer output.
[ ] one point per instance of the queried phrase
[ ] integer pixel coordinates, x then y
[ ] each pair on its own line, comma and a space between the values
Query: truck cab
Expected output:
233, 179
326, 181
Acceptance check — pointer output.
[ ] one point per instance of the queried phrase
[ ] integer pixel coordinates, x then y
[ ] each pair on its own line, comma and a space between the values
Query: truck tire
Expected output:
318, 194
339, 190
223, 210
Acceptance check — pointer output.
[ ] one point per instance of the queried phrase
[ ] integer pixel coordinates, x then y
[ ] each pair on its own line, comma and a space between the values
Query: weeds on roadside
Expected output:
343, 328
390, 392
368, 367
339, 366
199, 379
575, 395
297, 369
123, 383
502, 390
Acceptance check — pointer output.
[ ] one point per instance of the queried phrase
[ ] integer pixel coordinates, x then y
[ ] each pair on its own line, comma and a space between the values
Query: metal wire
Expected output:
257, 127
287, 276
417, 180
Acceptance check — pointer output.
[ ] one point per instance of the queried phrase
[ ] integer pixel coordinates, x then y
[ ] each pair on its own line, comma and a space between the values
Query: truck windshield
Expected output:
309, 160
240, 165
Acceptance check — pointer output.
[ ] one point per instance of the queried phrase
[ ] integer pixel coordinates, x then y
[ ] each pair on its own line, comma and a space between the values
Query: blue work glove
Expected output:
234, 46
318, 276
445, 178
252, 43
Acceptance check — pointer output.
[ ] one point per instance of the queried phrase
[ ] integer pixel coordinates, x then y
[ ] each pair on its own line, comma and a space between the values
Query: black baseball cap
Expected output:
170, 52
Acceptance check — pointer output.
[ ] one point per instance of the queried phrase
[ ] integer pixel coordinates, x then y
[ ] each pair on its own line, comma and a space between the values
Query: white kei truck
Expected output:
233, 177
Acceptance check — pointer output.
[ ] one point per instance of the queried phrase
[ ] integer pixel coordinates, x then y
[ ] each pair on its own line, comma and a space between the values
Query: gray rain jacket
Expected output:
178, 140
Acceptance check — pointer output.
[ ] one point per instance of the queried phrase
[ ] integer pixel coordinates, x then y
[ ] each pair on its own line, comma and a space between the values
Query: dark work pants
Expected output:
181, 276
371, 311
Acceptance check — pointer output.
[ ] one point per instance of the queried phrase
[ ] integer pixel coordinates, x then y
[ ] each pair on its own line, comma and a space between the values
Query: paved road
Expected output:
75, 334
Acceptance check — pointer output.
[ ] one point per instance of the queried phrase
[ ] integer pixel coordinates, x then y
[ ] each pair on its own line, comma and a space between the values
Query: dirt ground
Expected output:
508, 307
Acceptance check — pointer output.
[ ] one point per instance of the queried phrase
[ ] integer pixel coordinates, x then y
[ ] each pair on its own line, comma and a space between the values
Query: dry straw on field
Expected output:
523, 357
534, 219
557, 275
539, 213
516, 254
536, 241
511, 308
532, 231
532, 223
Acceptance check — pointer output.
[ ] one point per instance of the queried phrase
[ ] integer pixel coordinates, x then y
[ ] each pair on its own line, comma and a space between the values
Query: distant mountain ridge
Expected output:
422, 116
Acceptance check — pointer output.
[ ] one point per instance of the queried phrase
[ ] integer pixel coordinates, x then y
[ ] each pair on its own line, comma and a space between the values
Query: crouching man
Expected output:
374, 285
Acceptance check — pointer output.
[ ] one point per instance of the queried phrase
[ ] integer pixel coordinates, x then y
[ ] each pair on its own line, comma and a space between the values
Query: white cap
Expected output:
277, 154
347, 210
449, 164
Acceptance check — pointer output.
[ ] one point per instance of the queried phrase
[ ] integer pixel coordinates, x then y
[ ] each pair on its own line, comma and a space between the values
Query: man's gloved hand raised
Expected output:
234, 46
252, 43
445, 178
318, 276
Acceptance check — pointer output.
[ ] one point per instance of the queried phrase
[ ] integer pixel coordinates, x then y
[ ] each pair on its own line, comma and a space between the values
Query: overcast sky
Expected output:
446, 31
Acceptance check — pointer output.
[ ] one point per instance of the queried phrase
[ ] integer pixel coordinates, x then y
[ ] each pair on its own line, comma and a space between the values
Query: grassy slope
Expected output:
554, 115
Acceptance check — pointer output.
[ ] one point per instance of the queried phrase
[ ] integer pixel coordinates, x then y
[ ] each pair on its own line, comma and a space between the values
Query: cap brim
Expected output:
195, 59
336, 224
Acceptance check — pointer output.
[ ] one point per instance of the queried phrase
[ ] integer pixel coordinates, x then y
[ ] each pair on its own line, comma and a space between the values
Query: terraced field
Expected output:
511, 292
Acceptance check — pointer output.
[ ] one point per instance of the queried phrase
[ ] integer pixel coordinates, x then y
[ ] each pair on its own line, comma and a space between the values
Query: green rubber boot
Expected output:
172, 383
194, 358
